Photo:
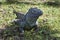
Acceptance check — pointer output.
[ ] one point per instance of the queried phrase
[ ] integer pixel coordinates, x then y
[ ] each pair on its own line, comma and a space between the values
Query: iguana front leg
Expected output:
21, 33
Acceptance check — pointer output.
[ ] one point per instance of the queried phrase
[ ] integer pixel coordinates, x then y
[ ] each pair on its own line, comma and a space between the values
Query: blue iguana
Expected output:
28, 21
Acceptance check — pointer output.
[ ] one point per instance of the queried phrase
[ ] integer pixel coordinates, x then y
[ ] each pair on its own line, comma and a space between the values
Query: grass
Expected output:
48, 22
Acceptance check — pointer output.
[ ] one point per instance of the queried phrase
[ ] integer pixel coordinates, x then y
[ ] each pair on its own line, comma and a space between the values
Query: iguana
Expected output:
29, 20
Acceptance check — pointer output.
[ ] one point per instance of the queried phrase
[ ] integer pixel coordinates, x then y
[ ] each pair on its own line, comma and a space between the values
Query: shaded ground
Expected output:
12, 33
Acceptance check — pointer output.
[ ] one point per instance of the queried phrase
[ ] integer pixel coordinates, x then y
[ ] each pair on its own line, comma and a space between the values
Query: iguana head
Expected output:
32, 15
35, 11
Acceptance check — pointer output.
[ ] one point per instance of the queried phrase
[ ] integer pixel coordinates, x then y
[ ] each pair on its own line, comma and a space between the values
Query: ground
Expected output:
48, 22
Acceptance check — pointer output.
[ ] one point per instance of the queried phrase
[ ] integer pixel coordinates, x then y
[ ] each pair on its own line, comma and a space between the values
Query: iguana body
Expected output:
29, 20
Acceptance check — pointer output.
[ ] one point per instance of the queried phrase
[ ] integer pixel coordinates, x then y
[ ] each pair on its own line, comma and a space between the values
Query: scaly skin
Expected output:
29, 20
